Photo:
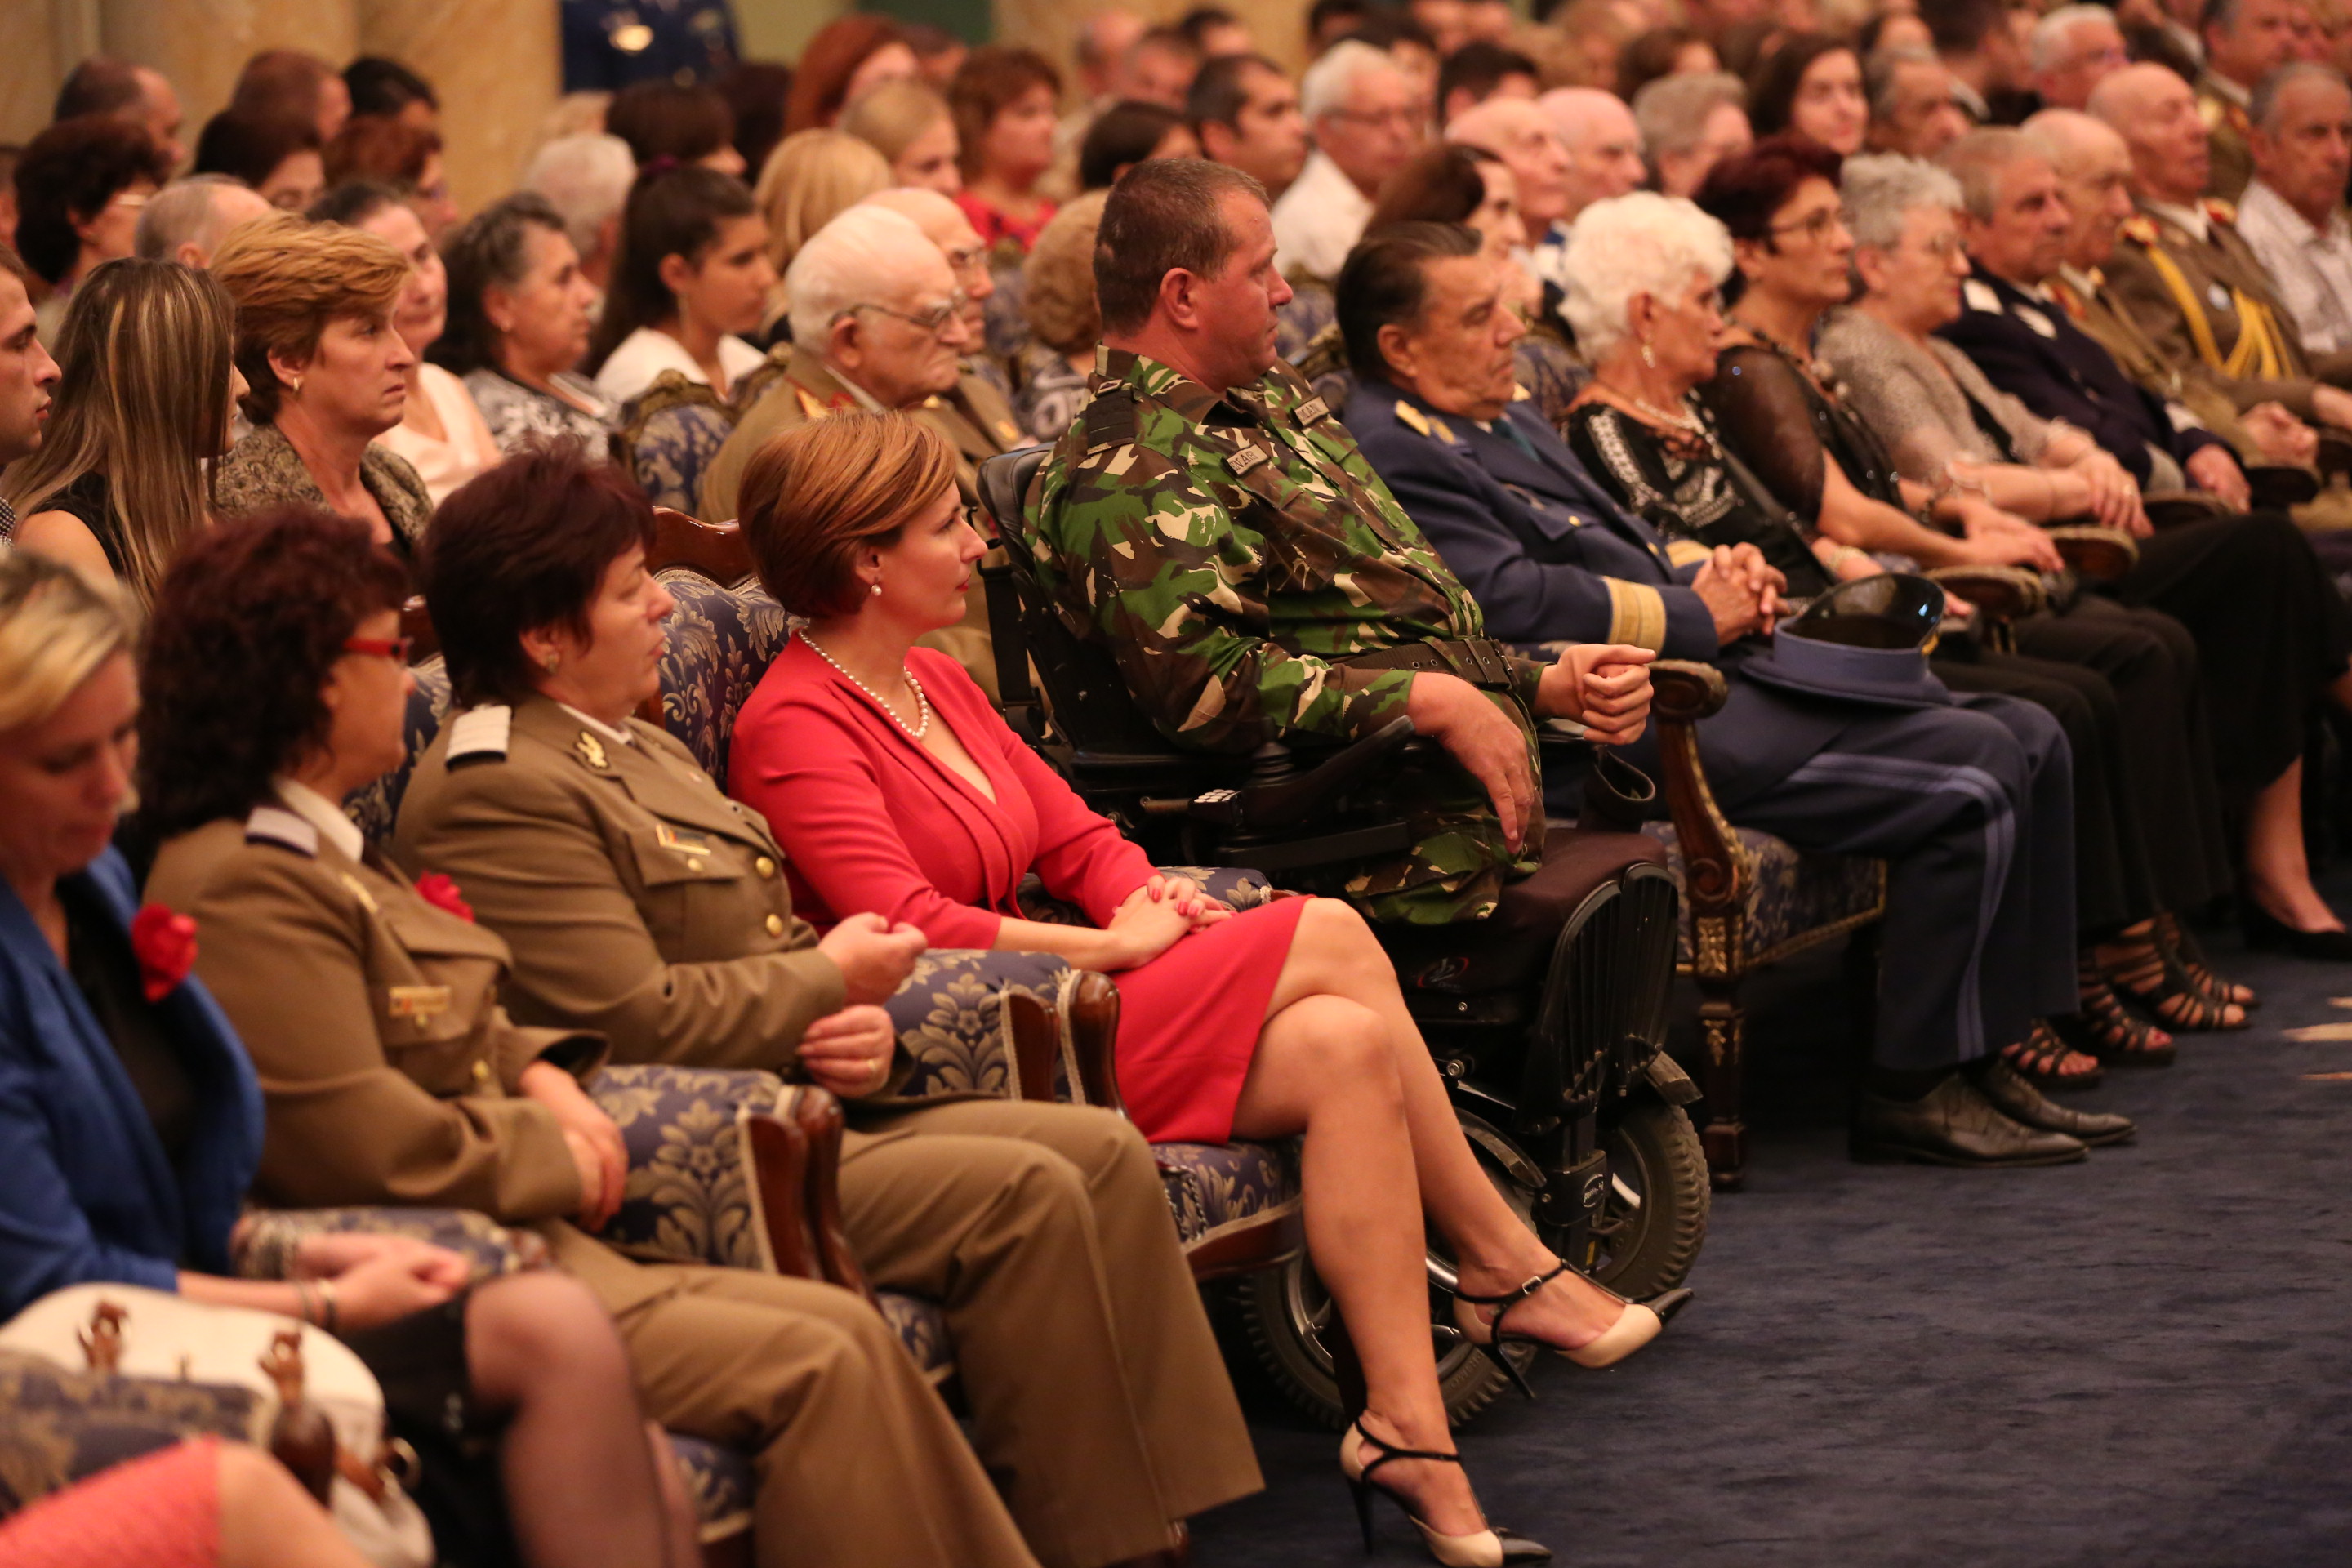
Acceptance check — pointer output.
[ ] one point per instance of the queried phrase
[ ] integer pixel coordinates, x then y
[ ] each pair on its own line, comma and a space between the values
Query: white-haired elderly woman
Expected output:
1946, 426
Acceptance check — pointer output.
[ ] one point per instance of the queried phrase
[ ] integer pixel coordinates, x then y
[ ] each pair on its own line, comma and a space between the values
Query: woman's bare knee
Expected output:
525, 1327
1323, 1052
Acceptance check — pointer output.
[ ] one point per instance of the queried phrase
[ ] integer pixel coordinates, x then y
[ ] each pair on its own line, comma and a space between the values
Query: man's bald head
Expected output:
1602, 142
2156, 114
2070, 138
2095, 175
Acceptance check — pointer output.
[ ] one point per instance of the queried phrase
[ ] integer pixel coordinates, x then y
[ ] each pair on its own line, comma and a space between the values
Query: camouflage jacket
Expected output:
1232, 553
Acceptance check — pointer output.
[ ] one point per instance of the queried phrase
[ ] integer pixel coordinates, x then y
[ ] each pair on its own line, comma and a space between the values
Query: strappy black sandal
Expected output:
2042, 1056
1489, 1548
1636, 1326
2177, 939
2145, 973
2101, 1026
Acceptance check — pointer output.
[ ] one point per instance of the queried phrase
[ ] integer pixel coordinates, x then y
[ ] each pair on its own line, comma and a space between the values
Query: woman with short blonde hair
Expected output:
118, 485
811, 178
910, 124
326, 374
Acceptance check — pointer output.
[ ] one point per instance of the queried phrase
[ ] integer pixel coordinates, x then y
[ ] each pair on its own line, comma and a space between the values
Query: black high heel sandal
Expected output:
1636, 1326
1489, 1548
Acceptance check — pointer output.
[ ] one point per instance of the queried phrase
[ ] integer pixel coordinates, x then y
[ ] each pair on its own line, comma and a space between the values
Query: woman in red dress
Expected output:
893, 787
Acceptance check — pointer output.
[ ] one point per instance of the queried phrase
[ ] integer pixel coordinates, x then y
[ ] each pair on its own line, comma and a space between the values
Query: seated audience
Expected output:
975, 414
2244, 41
139, 94
187, 219
385, 87
1244, 112
135, 1123
1157, 68
1476, 72
1688, 123
897, 790
843, 59
441, 433
2074, 49
289, 84
2292, 214
395, 153
1491, 484
1212, 30
325, 375
519, 323
1031, 1223
1660, 53
586, 179
1983, 44
757, 92
204, 1503
1064, 324
80, 187
811, 178
690, 279
1812, 85
143, 407
911, 126
1366, 122
277, 683
1915, 104
1003, 100
1603, 147
1457, 185
682, 124
1125, 134
276, 155
28, 377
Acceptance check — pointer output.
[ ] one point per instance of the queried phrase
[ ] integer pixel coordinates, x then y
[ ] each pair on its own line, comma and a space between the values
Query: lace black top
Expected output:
1776, 418
1687, 487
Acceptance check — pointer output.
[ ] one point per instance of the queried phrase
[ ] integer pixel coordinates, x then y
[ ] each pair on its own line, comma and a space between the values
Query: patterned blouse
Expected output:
264, 470
519, 415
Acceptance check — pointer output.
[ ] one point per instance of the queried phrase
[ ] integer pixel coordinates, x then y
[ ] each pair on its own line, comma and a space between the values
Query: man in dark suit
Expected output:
1551, 556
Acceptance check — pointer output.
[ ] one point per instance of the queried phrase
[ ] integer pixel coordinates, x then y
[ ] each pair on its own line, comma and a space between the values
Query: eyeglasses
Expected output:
935, 321
969, 258
1817, 227
1410, 117
397, 649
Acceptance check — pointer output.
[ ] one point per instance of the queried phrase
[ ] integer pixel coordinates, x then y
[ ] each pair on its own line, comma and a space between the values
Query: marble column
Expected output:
498, 66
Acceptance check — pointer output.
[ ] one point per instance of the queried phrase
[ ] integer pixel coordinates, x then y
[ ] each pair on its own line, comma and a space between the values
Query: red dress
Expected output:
159, 1511
871, 821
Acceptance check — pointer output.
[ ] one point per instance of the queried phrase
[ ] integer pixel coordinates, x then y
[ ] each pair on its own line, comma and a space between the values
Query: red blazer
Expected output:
870, 820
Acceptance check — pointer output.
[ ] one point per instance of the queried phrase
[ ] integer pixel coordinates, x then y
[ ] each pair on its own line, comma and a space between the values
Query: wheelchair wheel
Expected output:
1655, 1219
1288, 1315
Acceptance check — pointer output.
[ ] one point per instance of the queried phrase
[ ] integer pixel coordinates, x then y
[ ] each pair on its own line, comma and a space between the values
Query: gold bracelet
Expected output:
331, 1317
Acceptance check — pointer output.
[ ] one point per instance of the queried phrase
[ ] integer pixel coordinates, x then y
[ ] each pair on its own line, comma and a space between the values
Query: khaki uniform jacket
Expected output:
640, 900
2227, 129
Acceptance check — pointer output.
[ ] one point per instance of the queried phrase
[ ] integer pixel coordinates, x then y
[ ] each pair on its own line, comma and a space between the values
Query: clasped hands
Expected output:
1741, 590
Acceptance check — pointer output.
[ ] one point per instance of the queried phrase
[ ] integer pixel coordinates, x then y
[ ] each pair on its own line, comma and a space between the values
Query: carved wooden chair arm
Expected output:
1088, 1021
796, 1160
1683, 692
2097, 555
2001, 593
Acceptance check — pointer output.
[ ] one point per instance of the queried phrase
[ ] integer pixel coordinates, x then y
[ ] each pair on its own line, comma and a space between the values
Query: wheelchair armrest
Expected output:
796, 1164
2001, 593
1276, 795
1683, 692
2096, 554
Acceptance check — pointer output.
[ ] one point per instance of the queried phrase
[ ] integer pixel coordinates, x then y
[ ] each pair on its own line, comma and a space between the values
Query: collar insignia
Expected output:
1977, 295
810, 407
2222, 212
2140, 228
2037, 321
591, 750
358, 889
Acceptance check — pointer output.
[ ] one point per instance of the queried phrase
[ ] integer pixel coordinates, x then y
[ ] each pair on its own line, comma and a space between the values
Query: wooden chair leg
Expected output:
1723, 1023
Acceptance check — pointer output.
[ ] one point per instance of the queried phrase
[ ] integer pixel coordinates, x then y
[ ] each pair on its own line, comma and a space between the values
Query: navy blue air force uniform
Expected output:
1970, 802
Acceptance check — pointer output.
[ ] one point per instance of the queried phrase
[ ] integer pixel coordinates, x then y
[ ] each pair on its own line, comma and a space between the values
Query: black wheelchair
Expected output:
1547, 1019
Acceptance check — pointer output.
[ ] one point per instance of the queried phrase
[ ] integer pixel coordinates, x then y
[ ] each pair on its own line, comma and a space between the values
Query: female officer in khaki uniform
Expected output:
642, 903
277, 681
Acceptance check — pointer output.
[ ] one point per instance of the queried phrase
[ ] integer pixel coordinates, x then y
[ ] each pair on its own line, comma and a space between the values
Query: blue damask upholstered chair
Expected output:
60, 1427
668, 434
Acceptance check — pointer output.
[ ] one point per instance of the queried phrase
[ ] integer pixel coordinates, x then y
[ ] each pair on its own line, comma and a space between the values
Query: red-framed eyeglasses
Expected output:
387, 648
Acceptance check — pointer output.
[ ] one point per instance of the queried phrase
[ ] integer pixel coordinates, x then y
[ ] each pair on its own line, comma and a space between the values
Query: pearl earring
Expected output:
547, 661
1649, 356
877, 588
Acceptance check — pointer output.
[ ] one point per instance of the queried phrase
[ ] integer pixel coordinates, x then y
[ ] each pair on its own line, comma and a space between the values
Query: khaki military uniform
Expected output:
974, 416
392, 1076
2229, 135
642, 903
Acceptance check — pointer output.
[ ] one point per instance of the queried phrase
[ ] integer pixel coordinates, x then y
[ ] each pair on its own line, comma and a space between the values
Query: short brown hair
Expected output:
378, 147
523, 545
817, 495
1167, 214
992, 79
290, 278
1059, 296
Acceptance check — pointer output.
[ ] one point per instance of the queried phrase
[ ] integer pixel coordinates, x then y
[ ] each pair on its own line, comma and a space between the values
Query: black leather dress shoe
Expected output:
2264, 934
1953, 1124
2018, 1101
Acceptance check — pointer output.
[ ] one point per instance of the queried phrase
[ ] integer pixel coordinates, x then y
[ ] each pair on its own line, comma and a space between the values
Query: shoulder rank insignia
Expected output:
2222, 212
2034, 318
2211, 110
1521, 394
480, 732
2140, 228
1413, 419
591, 750
276, 825
1977, 295
1008, 432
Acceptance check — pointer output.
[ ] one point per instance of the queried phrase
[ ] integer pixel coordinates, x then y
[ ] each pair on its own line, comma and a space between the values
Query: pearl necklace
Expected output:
1678, 418
922, 703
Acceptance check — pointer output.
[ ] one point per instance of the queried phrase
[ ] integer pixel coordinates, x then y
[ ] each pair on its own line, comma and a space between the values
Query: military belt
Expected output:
1482, 661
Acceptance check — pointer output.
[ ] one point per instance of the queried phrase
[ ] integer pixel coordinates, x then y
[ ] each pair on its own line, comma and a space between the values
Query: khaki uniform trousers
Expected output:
1097, 1397
856, 1460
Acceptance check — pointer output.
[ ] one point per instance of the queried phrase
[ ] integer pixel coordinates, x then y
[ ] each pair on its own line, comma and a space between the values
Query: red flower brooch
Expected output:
164, 940
435, 889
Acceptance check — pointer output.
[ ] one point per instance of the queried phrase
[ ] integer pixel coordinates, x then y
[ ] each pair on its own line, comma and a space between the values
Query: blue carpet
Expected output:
2142, 1360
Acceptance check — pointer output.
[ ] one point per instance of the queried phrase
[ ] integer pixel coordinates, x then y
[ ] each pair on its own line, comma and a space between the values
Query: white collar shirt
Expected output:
2312, 267
1319, 220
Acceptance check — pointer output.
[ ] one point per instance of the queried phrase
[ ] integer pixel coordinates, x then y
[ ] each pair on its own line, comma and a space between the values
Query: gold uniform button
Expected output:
481, 1072
765, 866
694, 864
775, 924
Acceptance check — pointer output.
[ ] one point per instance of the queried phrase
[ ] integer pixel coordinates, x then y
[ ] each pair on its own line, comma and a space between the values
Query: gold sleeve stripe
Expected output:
1637, 615
1682, 551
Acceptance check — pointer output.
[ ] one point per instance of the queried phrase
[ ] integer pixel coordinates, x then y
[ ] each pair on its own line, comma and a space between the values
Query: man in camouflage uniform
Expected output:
1211, 522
